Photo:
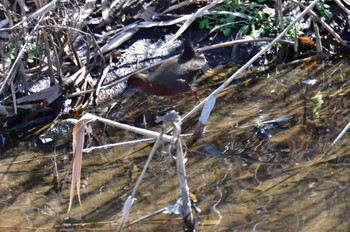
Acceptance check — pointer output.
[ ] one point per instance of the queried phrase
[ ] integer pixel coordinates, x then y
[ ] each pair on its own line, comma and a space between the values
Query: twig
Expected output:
141, 131
190, 20
344, 8
177, 6
131, 198
342, 133
242, 41
13, 91
187, 216
40, 12
127, 143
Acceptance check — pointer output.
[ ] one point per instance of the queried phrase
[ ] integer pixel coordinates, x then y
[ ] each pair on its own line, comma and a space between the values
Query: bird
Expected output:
172, 77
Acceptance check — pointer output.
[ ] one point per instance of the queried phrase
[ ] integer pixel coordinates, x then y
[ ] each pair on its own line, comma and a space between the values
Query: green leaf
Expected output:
261, 16
318, 105
320, 6
221, 21
252, 5
30, 61
328, 14
226, 31
244, 29
204, 23
230, 18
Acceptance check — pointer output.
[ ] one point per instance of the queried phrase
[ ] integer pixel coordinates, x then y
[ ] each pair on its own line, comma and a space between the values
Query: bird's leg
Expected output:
196, 97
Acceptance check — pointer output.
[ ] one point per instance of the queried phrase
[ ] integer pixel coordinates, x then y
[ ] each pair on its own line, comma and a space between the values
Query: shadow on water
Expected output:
256, 166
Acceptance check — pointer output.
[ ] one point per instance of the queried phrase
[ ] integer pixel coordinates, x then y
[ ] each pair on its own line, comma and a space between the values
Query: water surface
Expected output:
248, 175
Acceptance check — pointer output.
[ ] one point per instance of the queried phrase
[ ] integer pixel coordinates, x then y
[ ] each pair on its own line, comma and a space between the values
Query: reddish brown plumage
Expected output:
172, 77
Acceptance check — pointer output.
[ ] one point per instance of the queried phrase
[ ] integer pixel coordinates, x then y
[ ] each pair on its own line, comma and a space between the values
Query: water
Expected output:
247, 175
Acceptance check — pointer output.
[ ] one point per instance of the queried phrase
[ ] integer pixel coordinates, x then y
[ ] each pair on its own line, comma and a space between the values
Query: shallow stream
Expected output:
257, 167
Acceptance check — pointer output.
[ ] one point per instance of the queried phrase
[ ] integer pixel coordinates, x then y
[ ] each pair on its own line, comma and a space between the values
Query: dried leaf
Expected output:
78, 144
48, 95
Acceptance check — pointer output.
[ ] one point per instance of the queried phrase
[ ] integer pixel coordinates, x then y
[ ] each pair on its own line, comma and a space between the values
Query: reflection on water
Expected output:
250, 171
